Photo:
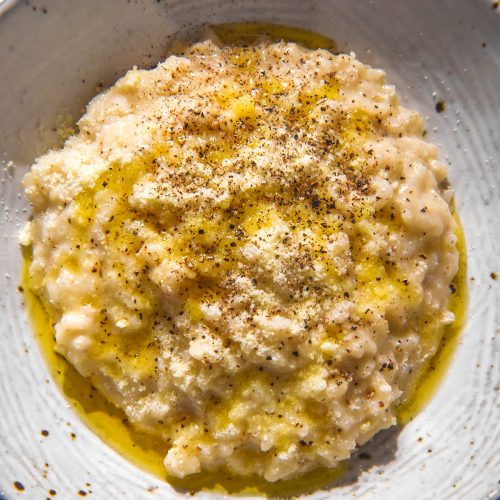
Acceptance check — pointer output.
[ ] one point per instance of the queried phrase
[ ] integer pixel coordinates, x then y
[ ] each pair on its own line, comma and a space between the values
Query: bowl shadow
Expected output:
380, 451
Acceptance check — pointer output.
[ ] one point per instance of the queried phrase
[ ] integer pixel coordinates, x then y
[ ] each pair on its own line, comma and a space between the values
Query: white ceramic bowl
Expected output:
52, 57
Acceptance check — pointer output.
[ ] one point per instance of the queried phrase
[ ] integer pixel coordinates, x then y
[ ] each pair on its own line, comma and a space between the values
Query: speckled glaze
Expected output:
54, 56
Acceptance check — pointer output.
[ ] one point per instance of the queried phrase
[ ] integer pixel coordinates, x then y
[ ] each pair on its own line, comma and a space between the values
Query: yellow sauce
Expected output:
435, 370
111, 425
147, 452
247, 33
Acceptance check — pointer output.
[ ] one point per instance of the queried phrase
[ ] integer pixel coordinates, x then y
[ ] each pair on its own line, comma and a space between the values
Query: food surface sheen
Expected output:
250, 251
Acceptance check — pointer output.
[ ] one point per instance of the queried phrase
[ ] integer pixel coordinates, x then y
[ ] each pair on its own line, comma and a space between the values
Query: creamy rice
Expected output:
248, 250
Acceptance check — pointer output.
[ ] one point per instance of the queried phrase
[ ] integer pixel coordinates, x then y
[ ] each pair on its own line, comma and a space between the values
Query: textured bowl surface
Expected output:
53, 56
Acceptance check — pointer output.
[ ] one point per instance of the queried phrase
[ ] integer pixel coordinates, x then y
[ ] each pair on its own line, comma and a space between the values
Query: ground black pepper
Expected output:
18, 486
440, 106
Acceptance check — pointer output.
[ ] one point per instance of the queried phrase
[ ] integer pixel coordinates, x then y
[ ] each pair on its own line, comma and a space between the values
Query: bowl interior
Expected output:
56, 57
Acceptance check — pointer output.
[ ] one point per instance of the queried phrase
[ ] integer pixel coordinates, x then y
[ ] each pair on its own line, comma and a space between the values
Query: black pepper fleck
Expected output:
440, 106
18, 486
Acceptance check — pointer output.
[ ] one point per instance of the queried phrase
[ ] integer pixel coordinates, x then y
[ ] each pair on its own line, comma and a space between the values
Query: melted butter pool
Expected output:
435, 369
147, 452
111, 425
